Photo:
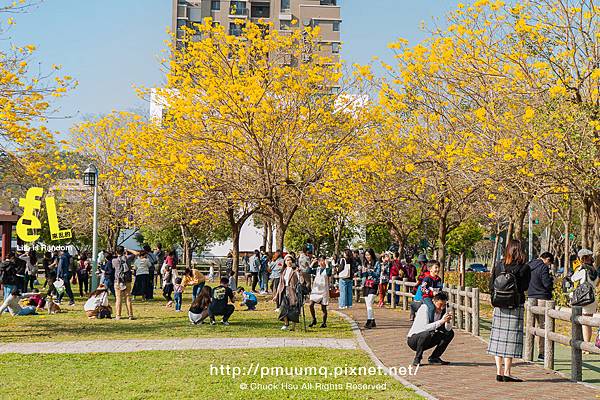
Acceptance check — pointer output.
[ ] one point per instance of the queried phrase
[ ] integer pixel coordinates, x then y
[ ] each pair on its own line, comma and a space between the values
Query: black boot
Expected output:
373, 324
313, 323
369, 323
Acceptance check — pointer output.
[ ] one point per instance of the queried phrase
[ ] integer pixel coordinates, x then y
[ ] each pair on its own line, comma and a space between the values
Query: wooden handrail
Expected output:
576, 342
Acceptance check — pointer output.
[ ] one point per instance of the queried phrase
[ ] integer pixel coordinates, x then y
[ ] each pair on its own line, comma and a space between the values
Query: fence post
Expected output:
451, 297
548, 344
393, 294
404, 289
468, 302
576, 336
529, 336
459, 312
475, 305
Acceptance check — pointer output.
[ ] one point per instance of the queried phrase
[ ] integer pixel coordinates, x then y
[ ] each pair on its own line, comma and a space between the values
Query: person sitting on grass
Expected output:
11, 303
219, 304
248, 299
427, 332
319, 293
199, 308
37, 300
97, 305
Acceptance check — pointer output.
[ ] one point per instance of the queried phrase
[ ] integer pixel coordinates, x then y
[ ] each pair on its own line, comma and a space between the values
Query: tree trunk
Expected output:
401, 245
585, 223
496, 246
265, 233
441, 250
280, 229
187, 254
269, 238
519, 222
510, 231
567, 248
337, 236
461, 266
596, 246
235, 251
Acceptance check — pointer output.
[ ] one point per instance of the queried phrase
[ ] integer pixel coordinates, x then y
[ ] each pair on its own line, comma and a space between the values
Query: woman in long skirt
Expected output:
286, 295
506, 339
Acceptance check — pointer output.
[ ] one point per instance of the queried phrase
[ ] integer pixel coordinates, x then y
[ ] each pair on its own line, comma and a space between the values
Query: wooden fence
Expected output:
463, 301
544, 310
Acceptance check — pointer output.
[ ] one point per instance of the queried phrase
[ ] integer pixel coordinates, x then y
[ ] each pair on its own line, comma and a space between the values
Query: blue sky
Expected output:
110, 45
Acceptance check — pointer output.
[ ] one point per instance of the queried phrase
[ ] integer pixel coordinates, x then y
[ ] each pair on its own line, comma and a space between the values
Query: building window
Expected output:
329, 2
285, 6
182, 11
260, 10
335, 48
215, 5
237, 8
235, 29
285, 25
214, 24
336, 26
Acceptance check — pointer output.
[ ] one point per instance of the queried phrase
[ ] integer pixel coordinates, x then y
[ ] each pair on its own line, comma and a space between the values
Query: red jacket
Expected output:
395, 269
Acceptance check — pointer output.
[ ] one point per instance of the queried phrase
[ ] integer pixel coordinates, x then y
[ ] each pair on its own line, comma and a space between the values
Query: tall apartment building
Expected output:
285, 15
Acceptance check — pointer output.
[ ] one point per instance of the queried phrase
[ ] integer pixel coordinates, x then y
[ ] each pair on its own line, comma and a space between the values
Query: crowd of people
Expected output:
290, 281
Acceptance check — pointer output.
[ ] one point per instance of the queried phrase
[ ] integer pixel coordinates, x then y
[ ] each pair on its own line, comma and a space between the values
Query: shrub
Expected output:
479, 280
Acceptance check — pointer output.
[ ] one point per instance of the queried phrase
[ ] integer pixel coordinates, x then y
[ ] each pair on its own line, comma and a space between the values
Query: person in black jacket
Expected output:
540, 287
506, 338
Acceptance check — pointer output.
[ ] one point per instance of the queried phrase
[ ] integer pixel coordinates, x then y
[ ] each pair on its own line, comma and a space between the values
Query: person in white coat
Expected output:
320, 289
587, 273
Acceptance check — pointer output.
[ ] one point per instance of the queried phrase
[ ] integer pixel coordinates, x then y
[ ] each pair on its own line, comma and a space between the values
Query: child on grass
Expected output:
248, 299
178, 294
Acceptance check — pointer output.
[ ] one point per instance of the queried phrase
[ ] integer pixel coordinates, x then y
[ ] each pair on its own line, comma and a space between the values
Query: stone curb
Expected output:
365, 347
132, 346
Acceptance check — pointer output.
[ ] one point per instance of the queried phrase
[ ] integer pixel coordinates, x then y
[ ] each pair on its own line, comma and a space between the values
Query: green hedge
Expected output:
479, 280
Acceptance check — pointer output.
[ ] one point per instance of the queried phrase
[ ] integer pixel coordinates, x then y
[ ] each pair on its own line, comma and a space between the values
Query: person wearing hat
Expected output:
97, 303
422, 261
586, 273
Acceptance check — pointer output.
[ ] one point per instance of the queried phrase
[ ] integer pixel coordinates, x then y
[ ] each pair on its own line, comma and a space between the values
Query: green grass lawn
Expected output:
186, 375
155, 321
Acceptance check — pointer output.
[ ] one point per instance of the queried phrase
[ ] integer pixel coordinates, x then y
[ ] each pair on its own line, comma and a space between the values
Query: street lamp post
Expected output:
90, 178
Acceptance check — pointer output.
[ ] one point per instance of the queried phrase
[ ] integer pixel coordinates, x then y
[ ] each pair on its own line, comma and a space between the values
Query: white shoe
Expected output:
277, 310
262, 292
284, 328
225, 323
343, 308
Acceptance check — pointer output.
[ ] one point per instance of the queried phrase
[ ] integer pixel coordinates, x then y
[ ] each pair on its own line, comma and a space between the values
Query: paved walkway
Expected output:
472, 374
127, 346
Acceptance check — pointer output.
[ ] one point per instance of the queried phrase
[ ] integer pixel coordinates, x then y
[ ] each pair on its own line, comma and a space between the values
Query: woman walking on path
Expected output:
508, 283
345, 275
286, 294
384, 278
371, 272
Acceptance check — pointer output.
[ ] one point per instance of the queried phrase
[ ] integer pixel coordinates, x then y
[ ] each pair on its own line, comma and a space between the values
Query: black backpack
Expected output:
505, 291
8, 273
